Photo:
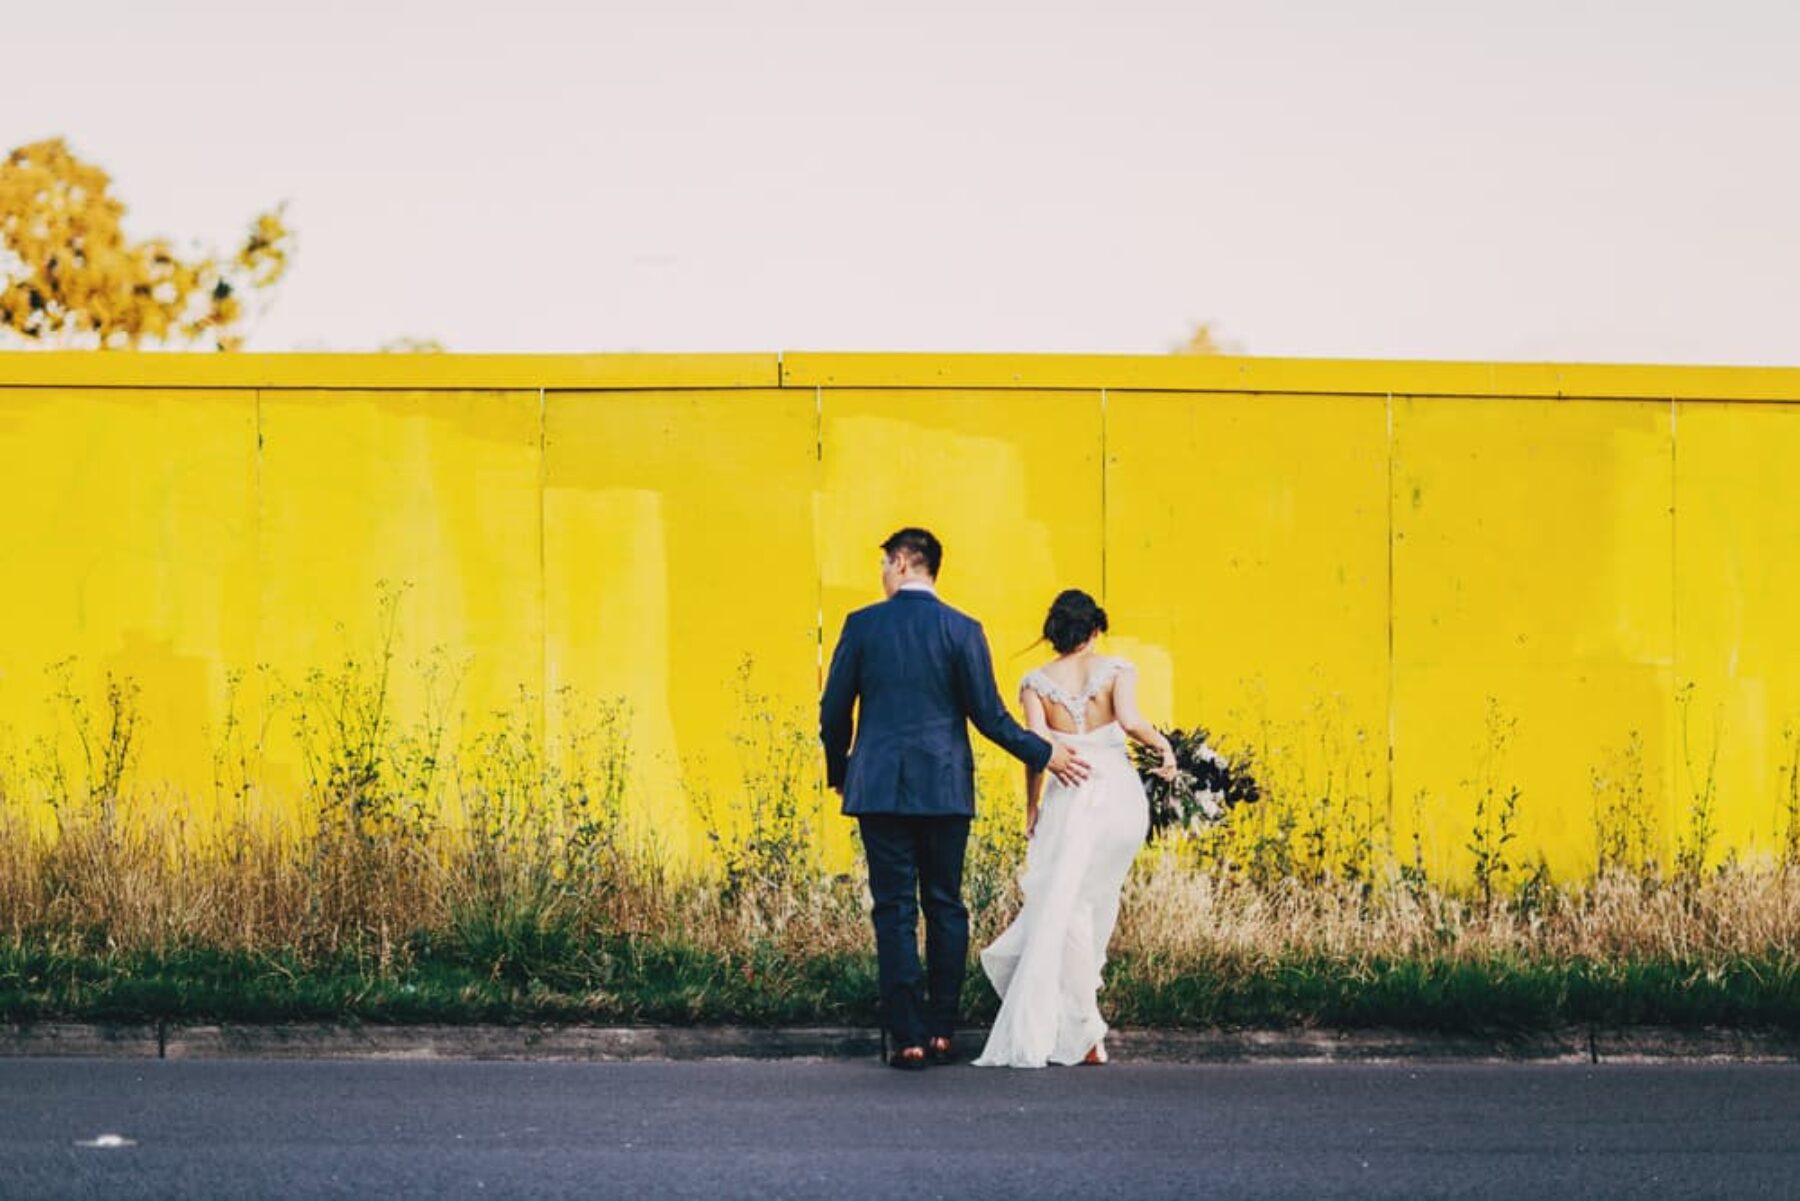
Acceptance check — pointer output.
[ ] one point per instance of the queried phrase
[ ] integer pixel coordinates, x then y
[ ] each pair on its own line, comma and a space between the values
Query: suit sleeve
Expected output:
836, 723
975, 667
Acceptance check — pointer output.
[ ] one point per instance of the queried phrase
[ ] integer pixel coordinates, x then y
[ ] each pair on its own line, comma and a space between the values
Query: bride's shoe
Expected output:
1096, 1055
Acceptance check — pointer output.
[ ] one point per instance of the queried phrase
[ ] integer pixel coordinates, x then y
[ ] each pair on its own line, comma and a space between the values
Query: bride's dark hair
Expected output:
1074, 618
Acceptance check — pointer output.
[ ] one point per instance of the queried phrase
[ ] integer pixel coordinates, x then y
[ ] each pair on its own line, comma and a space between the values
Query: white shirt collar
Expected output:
916, 586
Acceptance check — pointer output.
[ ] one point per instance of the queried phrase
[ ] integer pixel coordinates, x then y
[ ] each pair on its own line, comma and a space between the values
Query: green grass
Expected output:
546, 905
1446, 994
622, 981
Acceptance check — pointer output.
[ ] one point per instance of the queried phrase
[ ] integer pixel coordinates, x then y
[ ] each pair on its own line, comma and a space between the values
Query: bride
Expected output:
1046, 965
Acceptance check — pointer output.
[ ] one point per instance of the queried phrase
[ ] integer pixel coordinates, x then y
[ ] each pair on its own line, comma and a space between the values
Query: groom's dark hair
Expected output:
916, 546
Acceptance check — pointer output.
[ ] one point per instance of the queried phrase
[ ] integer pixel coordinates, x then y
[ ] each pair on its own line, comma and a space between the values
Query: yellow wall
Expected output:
1364, 568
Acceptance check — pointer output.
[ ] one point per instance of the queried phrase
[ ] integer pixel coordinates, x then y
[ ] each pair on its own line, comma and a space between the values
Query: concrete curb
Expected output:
619, 1043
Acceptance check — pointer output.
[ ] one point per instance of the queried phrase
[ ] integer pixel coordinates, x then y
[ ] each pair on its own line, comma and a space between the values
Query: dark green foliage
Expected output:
627, 981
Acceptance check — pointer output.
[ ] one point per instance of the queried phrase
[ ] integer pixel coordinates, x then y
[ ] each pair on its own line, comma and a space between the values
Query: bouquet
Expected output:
1205, 787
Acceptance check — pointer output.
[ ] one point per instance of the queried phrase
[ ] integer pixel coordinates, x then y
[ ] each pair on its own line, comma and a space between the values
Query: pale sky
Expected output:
1600, 180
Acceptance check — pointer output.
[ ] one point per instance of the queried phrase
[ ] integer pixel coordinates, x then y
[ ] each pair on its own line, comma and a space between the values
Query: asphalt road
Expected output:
253, 1128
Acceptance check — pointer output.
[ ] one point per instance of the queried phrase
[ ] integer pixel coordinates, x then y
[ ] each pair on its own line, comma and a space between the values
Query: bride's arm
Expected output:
1035, 718
1038, 724
1133, 723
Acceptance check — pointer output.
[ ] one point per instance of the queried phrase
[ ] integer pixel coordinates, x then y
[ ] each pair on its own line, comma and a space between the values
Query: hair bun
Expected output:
1074, 618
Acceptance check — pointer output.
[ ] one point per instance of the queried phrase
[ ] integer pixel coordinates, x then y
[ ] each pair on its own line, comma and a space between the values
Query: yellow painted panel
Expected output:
803, 369
1010, 483
453, 372
435, 495
126, 522
1325, 377
1737, 526
678, 542
1532, 566
1246, 561
172, 529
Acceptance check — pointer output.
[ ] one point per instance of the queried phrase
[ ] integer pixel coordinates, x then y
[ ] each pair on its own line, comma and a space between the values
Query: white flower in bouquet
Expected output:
1206, 784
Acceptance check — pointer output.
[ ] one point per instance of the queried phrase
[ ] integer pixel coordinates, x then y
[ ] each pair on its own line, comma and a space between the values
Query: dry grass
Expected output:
540, 884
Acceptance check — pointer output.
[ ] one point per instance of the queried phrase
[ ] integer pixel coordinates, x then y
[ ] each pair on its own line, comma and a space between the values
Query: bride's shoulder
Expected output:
1116, 667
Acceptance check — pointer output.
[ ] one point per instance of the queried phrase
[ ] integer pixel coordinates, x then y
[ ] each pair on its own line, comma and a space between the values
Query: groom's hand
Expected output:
1068, 767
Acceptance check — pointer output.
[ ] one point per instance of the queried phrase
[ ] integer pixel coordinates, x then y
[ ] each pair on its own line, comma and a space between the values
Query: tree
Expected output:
411, 345
1205, 340
70, 277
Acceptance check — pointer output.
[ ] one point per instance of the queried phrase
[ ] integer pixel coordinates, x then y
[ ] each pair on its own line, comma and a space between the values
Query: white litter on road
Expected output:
106, 1140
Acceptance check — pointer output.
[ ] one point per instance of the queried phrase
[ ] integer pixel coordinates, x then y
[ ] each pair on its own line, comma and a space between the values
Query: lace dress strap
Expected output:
1101, 676
1075, 705
1050, 690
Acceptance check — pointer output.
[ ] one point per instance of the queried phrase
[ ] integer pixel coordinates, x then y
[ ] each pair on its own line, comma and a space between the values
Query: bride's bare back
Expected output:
1082, 693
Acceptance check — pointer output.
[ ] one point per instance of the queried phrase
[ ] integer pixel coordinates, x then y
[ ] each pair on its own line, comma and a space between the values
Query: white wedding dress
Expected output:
1046, 965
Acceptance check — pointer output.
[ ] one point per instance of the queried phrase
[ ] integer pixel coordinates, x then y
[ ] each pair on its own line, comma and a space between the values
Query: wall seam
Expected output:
1105, 473
543, 590
1674, 544
1672, 807
1392, 665
818, 559
256, 529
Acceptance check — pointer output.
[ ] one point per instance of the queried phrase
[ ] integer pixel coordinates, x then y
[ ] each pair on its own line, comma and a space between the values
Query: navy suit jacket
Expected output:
921, 672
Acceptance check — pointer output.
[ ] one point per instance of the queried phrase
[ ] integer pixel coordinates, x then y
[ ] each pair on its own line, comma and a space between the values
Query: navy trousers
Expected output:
914, 863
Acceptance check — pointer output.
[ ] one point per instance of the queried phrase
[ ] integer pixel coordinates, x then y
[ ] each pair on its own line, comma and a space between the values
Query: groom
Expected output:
921, 671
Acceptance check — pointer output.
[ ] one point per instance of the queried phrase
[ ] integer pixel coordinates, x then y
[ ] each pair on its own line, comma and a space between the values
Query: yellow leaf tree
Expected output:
71, 278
